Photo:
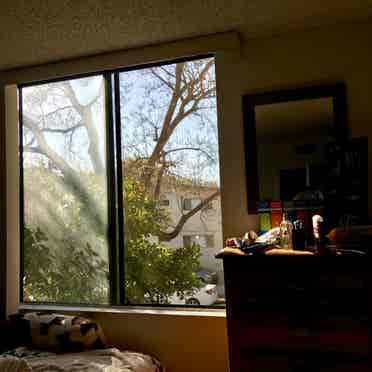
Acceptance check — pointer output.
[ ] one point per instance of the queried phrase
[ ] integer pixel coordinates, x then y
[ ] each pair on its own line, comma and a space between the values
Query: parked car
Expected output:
207, 277
205, 296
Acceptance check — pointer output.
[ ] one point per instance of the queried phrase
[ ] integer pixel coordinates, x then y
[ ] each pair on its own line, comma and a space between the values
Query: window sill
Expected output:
130, 310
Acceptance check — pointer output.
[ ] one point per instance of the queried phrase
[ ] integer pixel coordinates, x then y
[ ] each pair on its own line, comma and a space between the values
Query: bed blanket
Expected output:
13, 364
107, 360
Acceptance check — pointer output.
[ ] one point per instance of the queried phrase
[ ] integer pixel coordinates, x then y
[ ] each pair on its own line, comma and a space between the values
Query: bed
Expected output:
62, 343
104, 360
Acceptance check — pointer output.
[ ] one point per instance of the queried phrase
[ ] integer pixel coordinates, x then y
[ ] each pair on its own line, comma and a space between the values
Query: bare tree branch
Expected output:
189, 148
63, 131
188, 89
167, 236
166, 129
159, 179
172, 118
72, 178
167, 72
87, 118
60, 109
164, 81
34, 150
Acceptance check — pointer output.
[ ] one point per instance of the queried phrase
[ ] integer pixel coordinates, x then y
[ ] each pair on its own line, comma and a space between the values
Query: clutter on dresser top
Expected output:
290, 238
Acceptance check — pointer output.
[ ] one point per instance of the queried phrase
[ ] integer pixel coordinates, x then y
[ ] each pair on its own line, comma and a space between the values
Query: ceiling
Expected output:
39, 31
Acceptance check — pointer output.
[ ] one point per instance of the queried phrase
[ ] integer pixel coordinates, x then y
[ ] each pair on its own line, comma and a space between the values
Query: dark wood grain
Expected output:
298, 312
2, 210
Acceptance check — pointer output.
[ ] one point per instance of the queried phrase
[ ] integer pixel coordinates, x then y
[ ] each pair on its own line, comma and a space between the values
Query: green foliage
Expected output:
38, 265
155, 272
143, 215
65, 258
78, 275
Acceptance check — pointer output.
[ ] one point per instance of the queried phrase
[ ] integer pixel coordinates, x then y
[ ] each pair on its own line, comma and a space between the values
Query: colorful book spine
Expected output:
276, 213
264, 216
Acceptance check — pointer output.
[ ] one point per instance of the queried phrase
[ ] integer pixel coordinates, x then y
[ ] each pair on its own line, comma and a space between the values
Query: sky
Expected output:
135, 98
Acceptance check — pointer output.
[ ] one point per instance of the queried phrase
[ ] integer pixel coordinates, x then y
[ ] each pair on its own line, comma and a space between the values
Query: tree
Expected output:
153, 272
78, 274
169, 97
187, 89
63, 131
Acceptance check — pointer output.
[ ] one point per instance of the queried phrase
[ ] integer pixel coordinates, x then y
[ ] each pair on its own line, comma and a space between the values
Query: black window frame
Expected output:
116, 221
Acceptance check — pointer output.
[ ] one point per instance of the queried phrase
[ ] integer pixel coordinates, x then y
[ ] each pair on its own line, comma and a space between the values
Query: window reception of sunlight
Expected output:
65, 248
121, 188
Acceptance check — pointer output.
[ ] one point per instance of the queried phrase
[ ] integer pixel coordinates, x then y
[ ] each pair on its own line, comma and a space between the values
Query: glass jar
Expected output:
286, 228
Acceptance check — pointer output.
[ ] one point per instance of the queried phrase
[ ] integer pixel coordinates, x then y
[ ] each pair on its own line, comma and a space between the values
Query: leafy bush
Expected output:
65, 260
154, 272
78, 275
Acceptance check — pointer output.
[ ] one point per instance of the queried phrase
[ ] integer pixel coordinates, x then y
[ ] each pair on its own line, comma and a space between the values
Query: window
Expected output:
209, 241
65, 198
203, 241
187, 241
164, 202
189, 204
98, 153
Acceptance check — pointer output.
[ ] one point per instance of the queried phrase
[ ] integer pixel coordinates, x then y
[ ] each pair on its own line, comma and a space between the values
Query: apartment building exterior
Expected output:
204, 228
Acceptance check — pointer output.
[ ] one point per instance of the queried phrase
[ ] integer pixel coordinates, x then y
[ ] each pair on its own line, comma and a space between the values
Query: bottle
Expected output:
299, 235
286, 228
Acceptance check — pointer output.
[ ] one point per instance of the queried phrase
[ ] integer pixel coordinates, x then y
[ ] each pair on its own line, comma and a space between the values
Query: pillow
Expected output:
61, 333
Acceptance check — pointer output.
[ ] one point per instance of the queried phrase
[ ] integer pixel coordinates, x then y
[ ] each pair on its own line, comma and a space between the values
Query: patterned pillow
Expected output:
61, 333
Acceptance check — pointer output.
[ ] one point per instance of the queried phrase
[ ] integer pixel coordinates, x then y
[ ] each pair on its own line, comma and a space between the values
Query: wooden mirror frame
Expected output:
250, 101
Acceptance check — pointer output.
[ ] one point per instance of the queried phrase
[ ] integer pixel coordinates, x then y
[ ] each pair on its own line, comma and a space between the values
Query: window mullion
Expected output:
21, 197
111, 194
120, 194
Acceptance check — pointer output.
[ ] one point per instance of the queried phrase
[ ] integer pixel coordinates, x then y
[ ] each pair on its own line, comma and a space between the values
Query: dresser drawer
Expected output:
297, 279
261, 360
340, 280
306, 302
282, 365
270, 279
336, 334
313, 314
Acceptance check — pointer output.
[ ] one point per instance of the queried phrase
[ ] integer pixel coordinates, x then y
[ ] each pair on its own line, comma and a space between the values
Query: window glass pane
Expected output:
187, 241
170, 147
187, 204
209, 239
164, 202
65, 196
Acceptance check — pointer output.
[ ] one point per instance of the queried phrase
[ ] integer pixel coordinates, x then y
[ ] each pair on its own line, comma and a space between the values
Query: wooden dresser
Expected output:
298, 313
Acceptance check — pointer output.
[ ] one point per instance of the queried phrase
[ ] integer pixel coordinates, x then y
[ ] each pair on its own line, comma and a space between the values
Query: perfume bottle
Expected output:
286, 228
299, 235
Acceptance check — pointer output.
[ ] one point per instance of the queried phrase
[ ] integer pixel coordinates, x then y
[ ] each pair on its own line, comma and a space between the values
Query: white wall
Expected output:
12, 206
321, 56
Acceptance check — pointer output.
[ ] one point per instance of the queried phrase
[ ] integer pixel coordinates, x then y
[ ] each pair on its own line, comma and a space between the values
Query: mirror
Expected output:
300, 160
291, 139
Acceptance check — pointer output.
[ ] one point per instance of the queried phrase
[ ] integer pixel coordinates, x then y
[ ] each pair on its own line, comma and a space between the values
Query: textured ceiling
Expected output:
39, 31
